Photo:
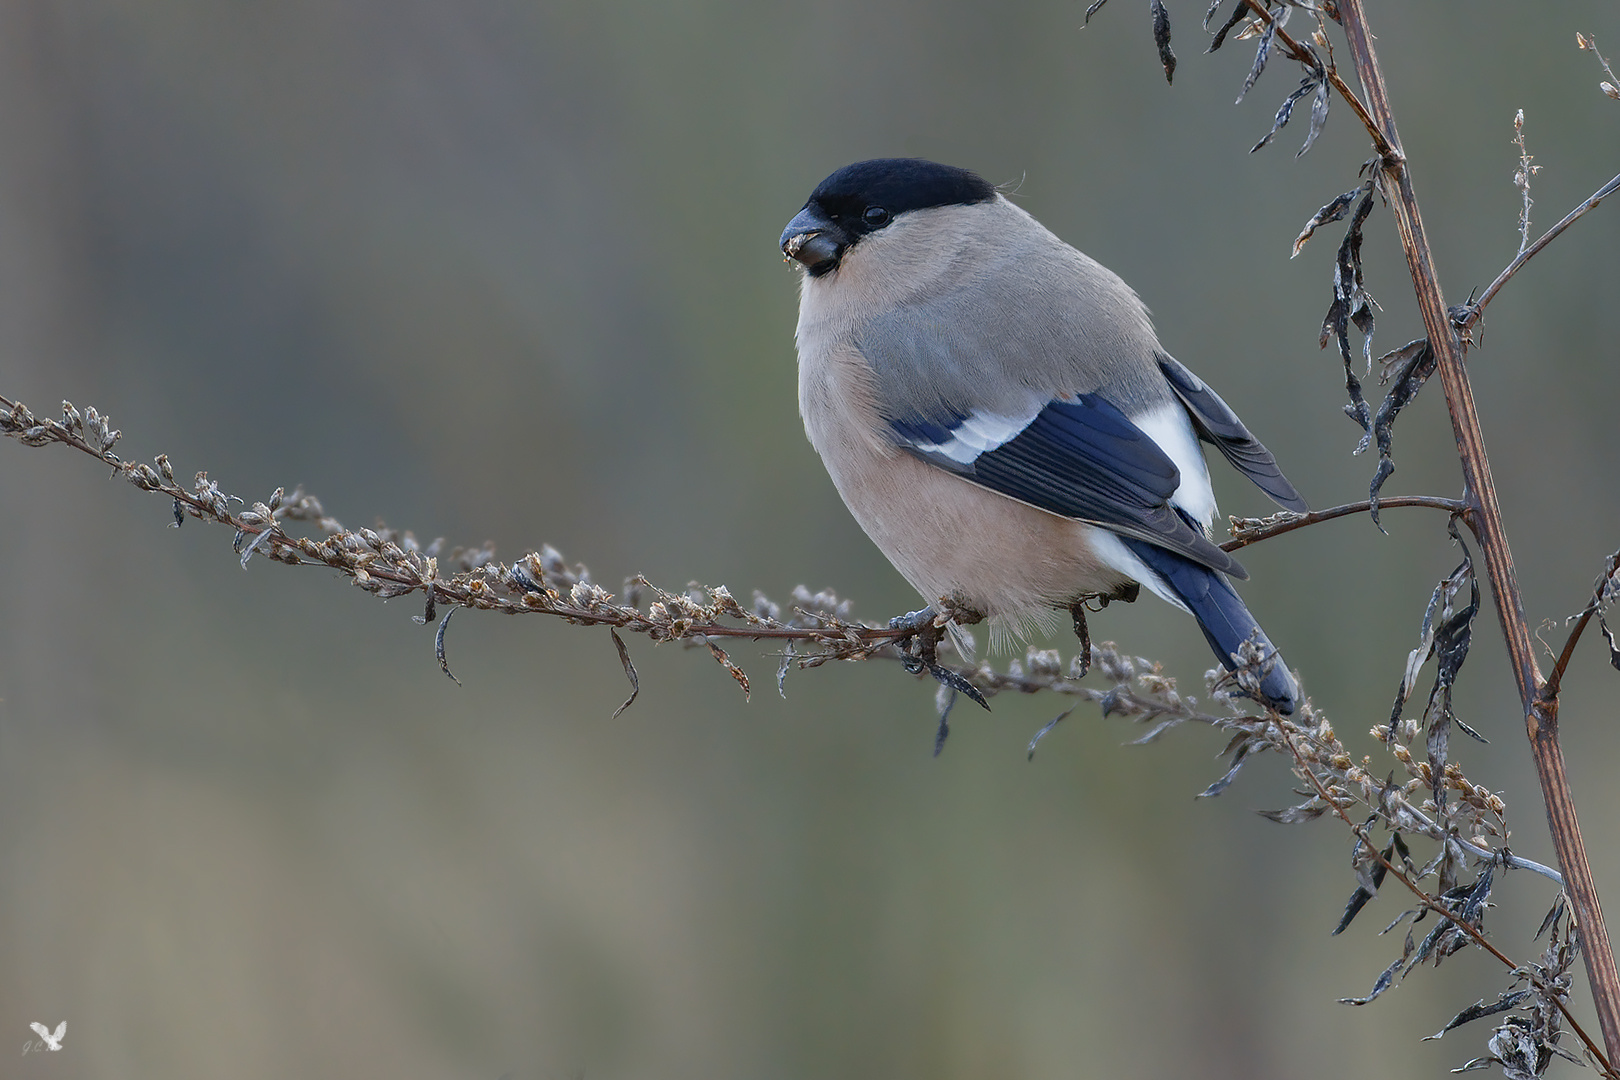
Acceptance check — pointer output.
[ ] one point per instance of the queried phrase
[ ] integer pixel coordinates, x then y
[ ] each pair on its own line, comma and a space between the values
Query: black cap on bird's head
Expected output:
864, 197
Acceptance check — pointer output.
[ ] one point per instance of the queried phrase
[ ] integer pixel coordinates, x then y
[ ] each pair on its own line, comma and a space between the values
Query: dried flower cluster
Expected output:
1588, 43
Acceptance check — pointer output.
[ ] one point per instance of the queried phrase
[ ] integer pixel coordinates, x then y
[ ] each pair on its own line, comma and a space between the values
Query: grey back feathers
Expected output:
1022, 319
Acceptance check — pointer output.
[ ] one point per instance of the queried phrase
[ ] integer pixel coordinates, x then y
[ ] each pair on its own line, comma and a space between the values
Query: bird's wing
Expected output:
40, 1029
61, 1030
1080, 458
1218, 424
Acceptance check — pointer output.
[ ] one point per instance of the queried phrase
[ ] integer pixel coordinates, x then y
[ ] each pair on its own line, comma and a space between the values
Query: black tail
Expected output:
1226, 623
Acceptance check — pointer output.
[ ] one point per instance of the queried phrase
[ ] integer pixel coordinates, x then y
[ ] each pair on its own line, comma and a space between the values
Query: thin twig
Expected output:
1246, 531
1521, 179
1474, 311
1589, 43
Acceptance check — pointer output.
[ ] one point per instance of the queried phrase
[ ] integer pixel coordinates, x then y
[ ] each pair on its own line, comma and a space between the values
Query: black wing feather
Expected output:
1218, 424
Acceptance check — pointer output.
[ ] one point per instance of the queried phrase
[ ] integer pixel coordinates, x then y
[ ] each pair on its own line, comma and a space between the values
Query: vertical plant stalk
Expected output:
1485, 520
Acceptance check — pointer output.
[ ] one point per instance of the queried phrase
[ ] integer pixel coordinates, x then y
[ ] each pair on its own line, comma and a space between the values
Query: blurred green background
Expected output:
508, 271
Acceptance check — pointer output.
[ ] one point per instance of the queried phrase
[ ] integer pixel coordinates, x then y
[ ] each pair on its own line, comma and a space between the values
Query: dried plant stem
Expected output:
1246, 531
1303, 768
1476, 310
1521, 179
389, 566
1485, 520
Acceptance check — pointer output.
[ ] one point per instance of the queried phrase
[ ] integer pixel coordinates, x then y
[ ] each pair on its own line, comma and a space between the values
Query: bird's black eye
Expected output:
875, 217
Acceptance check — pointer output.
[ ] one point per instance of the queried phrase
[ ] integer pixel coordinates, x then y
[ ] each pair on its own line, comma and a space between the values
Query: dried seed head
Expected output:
1044, 662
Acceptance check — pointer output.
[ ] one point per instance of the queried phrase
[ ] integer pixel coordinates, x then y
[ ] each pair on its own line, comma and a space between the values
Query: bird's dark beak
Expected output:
814, 241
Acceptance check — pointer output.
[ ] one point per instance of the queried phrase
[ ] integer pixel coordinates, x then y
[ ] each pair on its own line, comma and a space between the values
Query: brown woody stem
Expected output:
1541, 714
1286, 523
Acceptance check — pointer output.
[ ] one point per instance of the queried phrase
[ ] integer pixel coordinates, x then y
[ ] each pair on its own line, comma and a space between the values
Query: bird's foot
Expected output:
919, 647
1126, 593
1083, 632
914, 621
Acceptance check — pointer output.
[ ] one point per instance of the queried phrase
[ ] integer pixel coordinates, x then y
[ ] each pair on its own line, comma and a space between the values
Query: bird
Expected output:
53, 1039
996, 411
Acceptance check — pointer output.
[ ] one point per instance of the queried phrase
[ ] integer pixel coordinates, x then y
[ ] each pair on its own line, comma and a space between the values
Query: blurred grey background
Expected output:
507, 271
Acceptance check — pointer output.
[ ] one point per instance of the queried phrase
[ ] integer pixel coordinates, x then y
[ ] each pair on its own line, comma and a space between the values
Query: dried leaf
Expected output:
629, 671
1352, 305
1397, 846
1319, 115
1451, 642
1409, 367
1475, 902
1041, 734
1608, 636
1431, 941
736, 672
438, 646
781, 672
1156, 730
948, 678
1440, 603
1333, 211
1384, 982
1309, 810
1220, 35
1240, 747
1352, 908
1554, 913
1480, 1010
1370, 873
1262, 53
1161, 38
1402, 917
1306, 85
